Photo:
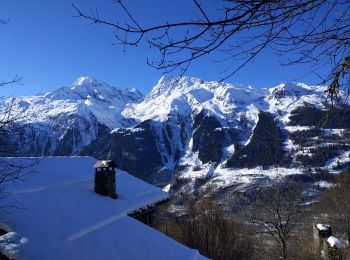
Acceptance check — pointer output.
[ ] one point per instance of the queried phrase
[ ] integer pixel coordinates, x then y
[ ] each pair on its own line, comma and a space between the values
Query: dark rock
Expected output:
209, 138
133, 150
264, 148
333, 117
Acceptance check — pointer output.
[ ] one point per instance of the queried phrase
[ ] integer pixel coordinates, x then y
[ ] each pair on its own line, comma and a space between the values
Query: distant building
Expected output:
327, 246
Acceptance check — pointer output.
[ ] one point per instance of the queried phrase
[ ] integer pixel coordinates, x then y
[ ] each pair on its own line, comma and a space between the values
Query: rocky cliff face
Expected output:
189, 129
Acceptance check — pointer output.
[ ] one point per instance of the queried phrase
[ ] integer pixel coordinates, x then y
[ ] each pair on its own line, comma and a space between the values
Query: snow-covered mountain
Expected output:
64, 121
86, 97
187, 130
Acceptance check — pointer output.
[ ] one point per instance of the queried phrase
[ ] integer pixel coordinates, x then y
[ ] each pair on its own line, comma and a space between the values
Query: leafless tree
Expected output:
336, 204
315, 32
16, 79
276, 215
11, 130
206, 226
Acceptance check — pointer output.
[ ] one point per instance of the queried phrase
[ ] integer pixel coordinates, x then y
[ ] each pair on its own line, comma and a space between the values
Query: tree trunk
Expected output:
284, 250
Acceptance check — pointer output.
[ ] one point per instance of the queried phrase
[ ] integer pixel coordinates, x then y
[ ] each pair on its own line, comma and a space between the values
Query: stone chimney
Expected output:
105, 178
321, 233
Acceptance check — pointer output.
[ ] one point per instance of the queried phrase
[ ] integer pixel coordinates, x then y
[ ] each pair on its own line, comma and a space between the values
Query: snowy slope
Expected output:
286, 97
59, 216
185, 95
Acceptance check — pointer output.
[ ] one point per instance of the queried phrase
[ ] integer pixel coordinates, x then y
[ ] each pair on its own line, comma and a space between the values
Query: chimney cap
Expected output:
323, 227
105, 163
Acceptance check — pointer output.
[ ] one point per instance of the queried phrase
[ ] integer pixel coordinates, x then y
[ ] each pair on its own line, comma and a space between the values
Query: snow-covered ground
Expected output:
225, 177
57, 215
343, 158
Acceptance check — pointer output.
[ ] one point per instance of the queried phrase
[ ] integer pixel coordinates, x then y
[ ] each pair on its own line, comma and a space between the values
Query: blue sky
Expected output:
49, 48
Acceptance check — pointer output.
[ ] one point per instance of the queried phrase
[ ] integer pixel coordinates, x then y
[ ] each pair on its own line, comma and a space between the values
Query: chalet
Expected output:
327, 245
58, 214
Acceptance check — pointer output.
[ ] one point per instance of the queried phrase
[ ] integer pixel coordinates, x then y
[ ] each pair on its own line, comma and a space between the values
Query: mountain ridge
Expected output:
186, 128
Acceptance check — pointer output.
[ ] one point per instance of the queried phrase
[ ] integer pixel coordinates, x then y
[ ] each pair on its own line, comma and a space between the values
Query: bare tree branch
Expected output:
11, 132
277, 214
315, 32
4, 21
15, 80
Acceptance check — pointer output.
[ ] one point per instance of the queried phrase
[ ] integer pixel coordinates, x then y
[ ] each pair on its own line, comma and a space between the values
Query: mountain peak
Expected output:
82, 88
177, 79
167, 85
83, 81
88, 87
290, 89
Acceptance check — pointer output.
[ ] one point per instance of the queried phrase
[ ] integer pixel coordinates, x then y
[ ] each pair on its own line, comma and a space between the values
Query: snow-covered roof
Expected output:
336, 242
10, 244
59, 216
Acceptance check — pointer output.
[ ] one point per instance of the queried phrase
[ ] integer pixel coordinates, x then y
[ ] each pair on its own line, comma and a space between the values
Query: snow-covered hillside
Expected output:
190, 129
173, 96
